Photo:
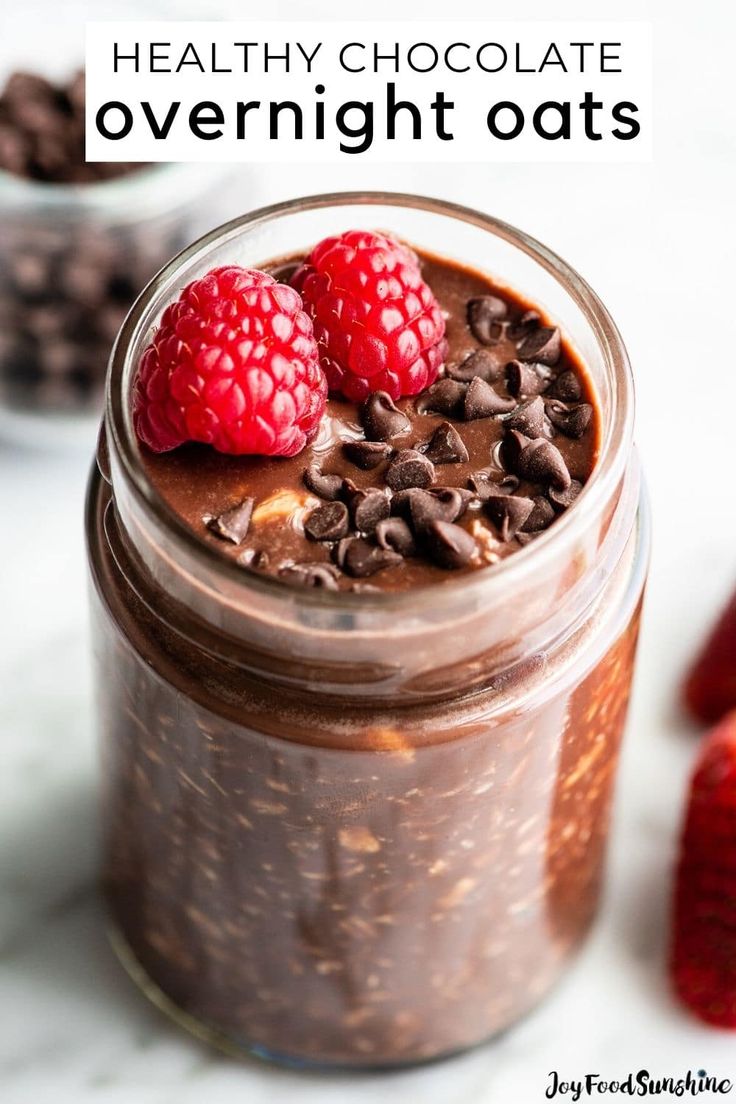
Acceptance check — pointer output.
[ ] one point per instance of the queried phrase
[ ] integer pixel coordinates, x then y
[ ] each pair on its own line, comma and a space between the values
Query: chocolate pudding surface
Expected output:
201, 485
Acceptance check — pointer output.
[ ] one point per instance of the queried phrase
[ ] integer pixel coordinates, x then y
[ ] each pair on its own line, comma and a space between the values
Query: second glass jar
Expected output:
73, 257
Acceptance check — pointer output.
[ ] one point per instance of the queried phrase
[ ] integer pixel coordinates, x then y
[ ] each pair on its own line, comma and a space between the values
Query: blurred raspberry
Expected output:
703, 957
710, 688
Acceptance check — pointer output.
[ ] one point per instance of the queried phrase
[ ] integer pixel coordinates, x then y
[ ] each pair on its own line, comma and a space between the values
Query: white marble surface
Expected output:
658, 243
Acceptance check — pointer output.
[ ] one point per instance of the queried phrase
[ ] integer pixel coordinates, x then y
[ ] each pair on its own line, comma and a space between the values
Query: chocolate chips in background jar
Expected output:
78, 242
64, 292
42, 132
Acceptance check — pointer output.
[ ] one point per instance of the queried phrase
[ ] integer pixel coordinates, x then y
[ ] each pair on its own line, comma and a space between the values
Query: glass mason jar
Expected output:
73, 257
361, 829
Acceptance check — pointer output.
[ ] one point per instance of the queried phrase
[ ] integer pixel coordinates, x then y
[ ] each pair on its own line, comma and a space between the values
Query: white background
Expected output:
657, 241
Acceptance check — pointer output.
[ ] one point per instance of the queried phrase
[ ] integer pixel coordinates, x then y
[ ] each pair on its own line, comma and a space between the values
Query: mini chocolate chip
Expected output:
570, 420
409, 469
320, 575
233, 524
381, 418
481, 363
509, 484
541, 462
512, 446
395, 535
367, 454
58, 358
426, 507
480, 481
444, 397
481, 401
82, 282
455, 498
360, 558
567, 387
541, 345
449, 545
324, 486
486, 483
30, 273
348, 489
367, 508
528, 418
526, 380
561, 500
446, 446
540, 517
401, 501
13, 150
508, 513
484, 314
328, 522
524, 325
340, 549
256, 558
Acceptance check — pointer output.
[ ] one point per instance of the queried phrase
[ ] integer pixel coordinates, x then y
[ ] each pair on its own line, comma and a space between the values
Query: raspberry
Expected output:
710, 687
233, 364
377, 323
703, 957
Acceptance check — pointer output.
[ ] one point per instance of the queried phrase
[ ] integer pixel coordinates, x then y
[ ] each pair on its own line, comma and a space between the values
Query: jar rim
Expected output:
509, 572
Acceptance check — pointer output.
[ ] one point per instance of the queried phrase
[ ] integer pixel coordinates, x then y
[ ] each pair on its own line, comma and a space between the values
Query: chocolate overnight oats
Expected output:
498, 447
361, 701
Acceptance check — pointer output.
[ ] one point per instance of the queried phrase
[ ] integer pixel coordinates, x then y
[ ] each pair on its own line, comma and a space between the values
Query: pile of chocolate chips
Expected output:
65, 284
411, 512
42, 132
64, 292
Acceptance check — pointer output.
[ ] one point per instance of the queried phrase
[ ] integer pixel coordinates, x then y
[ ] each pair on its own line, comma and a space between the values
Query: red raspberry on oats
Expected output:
710, 687
377, 323
233, 364
703, 956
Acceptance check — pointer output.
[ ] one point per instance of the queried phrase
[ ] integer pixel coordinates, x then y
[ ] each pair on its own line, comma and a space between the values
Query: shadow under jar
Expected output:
361, 829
